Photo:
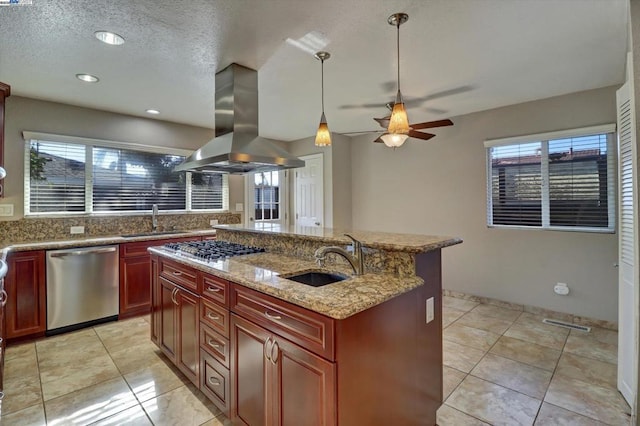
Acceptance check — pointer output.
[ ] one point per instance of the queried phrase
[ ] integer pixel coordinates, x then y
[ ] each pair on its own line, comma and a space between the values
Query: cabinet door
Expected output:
167, 318
188, 359
135, 286
156, 321
249, 367
25, 287
304, 387
3, 343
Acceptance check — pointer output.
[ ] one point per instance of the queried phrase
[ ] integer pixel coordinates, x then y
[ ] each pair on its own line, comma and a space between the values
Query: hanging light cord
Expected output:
398, 50
322, 81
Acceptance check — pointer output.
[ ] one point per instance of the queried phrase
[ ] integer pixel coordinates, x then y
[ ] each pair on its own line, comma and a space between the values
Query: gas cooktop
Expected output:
211, 250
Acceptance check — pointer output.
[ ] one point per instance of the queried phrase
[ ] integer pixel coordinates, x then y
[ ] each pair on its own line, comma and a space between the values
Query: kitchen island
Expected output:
269, 350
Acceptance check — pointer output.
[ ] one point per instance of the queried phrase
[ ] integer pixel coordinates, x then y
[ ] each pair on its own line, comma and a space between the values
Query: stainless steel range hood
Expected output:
237, 148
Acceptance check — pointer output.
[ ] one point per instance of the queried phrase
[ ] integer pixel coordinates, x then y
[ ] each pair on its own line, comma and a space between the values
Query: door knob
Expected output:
317, 223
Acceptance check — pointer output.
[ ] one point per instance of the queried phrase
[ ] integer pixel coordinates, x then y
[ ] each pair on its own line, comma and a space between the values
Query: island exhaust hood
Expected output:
237, 148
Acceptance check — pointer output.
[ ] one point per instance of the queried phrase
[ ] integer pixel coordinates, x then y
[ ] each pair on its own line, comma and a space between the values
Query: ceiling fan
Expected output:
414, 131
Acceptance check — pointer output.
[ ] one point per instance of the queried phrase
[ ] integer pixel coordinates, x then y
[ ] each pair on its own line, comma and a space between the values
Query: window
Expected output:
267, 196
75, 177
561, 180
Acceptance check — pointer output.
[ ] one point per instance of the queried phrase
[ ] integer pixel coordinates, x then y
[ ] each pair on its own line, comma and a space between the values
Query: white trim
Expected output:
556, 228
50, 137
560, 134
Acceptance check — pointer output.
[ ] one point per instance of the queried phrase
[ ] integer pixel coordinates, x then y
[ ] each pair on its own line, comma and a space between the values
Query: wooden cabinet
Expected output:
135, 276
277, 382
26, 309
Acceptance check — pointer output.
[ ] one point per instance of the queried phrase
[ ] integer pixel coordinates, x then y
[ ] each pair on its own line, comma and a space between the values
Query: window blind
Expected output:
209, 191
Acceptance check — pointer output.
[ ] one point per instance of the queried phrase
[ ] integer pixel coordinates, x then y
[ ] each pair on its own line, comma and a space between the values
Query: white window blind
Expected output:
83, 178
558, 183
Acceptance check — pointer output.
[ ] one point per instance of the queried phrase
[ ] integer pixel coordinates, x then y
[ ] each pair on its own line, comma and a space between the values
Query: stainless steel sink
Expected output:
149, 234
316, 278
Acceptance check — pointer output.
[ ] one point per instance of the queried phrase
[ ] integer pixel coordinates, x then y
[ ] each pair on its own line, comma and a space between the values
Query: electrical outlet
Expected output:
77, 230
213, 222
239, 207
430, 308
561, 288
6, 209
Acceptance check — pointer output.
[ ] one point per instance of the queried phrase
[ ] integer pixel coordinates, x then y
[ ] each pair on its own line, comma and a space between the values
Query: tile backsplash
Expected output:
51, 229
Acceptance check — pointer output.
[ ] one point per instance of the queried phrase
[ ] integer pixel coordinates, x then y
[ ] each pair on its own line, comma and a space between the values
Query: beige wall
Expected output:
439, 187
50, 117
336, 175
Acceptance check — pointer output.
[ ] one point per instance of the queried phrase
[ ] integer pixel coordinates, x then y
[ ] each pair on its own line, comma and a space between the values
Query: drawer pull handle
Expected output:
174, 293
271, 316
213, 344
177, 273
214, 382
213, 316
213, 289
3, 298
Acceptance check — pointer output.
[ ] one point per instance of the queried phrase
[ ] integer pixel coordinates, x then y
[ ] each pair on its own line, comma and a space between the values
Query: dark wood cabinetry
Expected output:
135, 278
26, 309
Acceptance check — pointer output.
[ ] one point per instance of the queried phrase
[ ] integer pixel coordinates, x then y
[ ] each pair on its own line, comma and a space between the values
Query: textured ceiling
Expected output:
460, 56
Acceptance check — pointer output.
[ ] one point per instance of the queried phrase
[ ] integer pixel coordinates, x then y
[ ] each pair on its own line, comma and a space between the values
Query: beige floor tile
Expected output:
221, 420
21, 367
91, 404
597, 402
63, 341
181, 407
69, 350
538, 333
460, 357
529, 353
497, 312
550, 415
493, 403
21, 393
459, 304
154, 381
134, 416
66, 379
600, 334
483, 322
592, 348
20, 351
31, 416
448, 416
136, 357
588, 370
450, 379
514, 375
117, 335
450, 315
470, 336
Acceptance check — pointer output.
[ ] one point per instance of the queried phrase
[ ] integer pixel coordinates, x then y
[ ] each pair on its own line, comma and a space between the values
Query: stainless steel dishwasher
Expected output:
82, 287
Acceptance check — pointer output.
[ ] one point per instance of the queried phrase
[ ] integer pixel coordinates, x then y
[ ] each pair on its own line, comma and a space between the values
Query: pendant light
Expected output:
398, 130
323, 136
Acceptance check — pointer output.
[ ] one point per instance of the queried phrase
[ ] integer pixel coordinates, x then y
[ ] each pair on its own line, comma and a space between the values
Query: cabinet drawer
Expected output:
308, 329
214, 381
179, 274
215, 316
215, 344
216, 289
139, 248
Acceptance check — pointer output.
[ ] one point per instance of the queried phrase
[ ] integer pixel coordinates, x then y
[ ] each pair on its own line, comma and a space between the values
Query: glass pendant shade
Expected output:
323, 136
394, 140
399, 122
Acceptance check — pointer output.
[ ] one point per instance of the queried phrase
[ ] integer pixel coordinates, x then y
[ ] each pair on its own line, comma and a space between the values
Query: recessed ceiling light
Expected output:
87, 78
109, 38
153, 111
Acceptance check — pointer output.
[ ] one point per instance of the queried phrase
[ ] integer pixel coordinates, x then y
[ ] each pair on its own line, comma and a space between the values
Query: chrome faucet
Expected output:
356, 260
154, 217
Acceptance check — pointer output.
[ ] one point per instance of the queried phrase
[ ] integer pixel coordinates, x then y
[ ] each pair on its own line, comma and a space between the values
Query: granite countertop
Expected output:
97, 241
410, 243
339, 300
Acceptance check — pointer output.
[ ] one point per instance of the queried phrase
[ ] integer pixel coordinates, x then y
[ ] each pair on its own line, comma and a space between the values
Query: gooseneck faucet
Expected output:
154, 217
356, 260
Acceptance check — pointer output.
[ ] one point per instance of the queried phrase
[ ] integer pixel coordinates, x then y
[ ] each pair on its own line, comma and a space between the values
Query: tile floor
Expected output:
501, 367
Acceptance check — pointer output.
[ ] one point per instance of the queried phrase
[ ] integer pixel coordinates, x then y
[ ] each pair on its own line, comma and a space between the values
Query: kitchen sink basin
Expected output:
316, 279
149, 234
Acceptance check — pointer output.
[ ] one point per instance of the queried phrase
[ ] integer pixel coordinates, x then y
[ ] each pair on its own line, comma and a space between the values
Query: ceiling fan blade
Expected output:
379, 139
420, 135
361, 132
431, 124
383, 122
358, 106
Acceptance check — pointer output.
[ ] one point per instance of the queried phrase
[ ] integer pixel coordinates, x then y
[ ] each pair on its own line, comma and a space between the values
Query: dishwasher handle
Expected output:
82, 252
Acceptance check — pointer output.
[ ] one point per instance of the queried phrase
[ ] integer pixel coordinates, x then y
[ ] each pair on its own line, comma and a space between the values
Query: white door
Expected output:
266, 197
627, 245
310, 192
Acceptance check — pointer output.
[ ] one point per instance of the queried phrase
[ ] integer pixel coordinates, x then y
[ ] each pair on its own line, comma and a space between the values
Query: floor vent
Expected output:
567, 325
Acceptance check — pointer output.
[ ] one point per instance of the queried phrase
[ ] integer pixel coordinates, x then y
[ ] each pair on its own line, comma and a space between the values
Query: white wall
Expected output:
51, 117
439, 187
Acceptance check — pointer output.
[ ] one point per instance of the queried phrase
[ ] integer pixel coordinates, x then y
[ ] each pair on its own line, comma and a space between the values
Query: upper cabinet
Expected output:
5, 91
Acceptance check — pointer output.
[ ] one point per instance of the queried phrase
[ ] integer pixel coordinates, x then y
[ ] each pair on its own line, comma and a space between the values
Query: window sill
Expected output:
555, 228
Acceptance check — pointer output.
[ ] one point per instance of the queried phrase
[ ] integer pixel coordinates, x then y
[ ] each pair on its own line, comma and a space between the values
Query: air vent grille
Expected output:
567, 325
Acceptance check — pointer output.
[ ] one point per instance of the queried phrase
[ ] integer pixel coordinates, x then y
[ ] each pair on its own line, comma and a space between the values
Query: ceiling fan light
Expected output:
394, 140
323, 136
399, 122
